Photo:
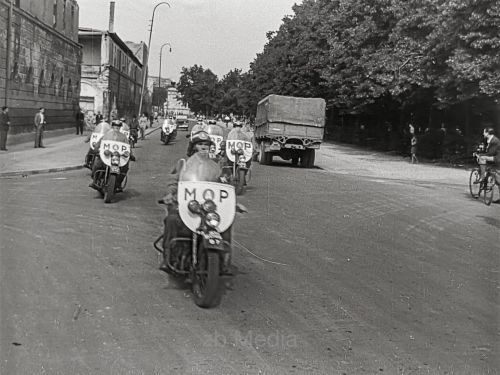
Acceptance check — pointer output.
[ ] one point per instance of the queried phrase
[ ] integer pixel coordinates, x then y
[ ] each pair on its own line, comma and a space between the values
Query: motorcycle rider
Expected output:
173, 225
102, 127
134, 128
112, 135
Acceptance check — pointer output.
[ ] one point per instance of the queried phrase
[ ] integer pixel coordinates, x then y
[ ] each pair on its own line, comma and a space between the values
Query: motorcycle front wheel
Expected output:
206, 291
110, 188
240, 182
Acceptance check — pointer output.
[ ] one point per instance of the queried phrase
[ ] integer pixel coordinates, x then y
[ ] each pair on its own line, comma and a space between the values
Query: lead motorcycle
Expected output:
114, 155
207, 209
168, 131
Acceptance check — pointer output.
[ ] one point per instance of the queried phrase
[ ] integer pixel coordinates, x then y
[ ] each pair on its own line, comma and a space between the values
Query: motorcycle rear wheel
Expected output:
110, 188
206, 290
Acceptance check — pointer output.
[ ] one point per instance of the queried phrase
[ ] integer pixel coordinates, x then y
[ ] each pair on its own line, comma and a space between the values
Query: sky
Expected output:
218, 34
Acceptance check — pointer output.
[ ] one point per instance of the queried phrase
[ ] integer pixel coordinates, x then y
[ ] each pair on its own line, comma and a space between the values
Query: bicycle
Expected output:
487, 185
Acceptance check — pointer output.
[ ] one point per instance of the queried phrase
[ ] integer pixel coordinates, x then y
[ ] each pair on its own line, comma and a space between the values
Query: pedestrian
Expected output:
80, 119
4, 127
40, 123
143, 124
413, 150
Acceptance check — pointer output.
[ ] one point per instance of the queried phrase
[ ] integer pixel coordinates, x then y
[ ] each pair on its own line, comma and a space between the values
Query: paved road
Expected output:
338, 273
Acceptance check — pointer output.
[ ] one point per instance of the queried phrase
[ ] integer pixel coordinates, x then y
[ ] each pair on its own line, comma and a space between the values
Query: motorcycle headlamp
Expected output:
209, 206
126, 154
212, 219
242, 158
240, 151
194, 207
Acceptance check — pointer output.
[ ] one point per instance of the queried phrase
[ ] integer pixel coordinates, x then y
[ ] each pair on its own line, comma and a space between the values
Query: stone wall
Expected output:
44, 71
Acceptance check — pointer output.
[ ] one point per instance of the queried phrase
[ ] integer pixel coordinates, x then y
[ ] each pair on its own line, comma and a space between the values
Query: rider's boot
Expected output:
227, 268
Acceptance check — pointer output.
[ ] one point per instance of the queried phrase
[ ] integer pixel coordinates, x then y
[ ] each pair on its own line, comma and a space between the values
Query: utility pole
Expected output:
145, 63
7, 63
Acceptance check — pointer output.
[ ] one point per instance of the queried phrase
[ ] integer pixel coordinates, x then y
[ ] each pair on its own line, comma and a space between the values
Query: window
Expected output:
64, 14
72, 16
29, 76
52, 84
54, 13
61, 86
70, 89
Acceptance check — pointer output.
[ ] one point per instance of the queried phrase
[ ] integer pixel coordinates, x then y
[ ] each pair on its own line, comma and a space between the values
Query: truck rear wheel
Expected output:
265, 158
307, 158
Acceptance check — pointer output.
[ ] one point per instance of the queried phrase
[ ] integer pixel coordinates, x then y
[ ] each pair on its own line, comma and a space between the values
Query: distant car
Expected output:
182, 122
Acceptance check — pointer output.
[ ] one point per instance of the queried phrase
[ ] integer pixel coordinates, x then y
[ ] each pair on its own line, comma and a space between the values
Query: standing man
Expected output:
4, 127
39, 127
80, 119
143, 124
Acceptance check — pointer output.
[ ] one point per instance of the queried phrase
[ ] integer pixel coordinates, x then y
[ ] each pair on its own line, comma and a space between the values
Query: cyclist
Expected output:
492, 153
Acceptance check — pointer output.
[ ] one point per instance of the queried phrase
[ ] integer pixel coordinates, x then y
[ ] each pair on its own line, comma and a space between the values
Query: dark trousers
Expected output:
79, 127
39, 136
3, 138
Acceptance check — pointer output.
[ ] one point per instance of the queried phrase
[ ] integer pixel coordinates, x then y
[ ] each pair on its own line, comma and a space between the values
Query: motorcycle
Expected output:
168, 131
239, 153
207, 209
216, 134
114, 155
133, 137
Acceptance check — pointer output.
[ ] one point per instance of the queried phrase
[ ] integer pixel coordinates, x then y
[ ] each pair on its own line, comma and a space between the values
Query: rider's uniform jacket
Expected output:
112, 135
170, 198
493, 149
102, 127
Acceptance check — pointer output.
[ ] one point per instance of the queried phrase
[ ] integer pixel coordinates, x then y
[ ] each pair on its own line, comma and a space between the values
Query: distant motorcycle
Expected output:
168, 131
239, 154
133, 137
114, 155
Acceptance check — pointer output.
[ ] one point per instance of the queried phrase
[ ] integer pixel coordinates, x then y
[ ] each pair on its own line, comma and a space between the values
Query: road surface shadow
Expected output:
491, 221
285, 164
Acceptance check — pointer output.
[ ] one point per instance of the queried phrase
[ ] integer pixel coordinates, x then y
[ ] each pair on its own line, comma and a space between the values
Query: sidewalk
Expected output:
348, 159
61, 153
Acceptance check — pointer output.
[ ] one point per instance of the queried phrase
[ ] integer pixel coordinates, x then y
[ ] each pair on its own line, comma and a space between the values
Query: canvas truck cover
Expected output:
291, 110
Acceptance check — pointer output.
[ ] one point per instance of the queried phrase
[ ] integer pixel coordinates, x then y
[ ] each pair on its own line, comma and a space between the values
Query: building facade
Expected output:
39, 62
173, 106
111, 74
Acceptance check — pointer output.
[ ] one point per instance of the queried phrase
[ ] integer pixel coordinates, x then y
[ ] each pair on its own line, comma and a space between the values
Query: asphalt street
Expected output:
337, 273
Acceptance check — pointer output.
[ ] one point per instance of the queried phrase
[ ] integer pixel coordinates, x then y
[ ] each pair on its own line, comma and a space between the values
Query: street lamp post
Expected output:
144, 66
159, 73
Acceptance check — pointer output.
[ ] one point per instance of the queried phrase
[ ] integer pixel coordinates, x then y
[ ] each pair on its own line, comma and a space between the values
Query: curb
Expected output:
55, 170
40, 171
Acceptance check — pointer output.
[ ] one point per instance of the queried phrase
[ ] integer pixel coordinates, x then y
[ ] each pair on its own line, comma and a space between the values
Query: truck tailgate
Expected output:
290, 131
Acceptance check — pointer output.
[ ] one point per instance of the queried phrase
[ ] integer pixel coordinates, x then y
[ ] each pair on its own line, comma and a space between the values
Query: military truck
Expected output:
289, 127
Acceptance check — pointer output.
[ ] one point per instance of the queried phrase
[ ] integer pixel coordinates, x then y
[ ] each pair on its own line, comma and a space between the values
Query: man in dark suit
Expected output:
39, 127
4, 127
80, 119
492, 154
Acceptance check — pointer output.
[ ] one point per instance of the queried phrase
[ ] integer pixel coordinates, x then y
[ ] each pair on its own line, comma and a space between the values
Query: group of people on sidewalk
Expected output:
39, 124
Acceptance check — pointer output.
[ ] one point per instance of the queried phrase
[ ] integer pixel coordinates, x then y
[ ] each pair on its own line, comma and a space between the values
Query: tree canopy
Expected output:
365, 56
